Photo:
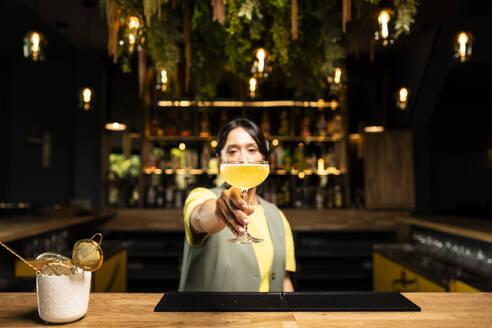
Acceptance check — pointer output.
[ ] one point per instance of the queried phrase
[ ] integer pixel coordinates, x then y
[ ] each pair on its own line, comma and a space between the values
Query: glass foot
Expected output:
245, 238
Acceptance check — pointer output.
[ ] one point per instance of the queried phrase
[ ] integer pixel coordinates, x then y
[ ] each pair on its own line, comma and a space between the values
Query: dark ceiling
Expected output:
82, 23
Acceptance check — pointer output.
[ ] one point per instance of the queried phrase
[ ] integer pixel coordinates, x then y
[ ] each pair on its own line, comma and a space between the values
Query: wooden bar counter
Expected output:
136, 310
300, 220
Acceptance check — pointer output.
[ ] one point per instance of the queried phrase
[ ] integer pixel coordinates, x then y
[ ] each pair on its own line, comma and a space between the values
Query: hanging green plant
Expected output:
406, 11
303, 39
208, 39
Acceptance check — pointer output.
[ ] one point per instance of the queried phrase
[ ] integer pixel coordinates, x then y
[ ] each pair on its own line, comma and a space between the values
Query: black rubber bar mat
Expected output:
281, 302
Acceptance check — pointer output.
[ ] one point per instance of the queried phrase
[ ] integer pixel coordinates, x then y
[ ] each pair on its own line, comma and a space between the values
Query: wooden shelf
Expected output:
328, 171
331, 138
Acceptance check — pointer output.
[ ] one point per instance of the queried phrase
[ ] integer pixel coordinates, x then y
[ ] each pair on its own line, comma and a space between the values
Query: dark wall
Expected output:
447, 109
448, 123
39, 99
460, 133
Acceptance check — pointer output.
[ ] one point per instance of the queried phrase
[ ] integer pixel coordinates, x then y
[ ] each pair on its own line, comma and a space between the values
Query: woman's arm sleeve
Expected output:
196, 197
290, 258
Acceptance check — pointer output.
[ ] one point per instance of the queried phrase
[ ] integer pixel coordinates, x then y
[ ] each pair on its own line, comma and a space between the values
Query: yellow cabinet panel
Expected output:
461, 287
390, 276
111, 277
22, 270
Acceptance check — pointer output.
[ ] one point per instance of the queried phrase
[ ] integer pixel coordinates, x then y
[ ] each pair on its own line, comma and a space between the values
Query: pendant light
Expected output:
384, 33
115, 126
374, 129
402, 98
252, 87
34, 43
260, 66
161, 77
116, 120
133, 32
463, 46
335, 81
86, 94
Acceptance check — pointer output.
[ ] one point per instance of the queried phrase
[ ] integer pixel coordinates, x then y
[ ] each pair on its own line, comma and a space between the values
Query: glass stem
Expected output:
244, 196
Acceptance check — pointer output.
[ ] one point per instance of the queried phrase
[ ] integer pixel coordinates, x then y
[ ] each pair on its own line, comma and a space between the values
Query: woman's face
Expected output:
240, 146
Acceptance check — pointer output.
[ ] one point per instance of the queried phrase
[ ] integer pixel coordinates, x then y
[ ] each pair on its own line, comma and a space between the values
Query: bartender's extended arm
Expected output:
214, 214
288, 286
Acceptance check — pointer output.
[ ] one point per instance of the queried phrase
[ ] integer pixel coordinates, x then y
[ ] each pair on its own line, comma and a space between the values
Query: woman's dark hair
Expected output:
248, 126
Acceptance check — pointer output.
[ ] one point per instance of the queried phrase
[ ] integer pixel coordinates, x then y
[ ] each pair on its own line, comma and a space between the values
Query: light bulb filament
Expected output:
163, 76
383, 20
133, 23
260, 54
403, 95
252, 84
462, 40
35, 39
338, 75
86, 94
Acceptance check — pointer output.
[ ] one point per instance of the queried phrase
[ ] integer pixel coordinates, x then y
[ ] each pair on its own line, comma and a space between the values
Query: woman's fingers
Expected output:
237, 200
229, 217
235, 197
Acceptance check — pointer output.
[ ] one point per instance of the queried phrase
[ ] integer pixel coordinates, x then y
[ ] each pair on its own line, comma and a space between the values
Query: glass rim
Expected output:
243, 162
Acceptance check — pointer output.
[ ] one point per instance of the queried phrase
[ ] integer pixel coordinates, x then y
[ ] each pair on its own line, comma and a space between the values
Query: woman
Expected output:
212, 216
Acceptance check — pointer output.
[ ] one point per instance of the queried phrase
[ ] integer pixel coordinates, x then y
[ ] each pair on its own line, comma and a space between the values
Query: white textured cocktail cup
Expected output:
63, 298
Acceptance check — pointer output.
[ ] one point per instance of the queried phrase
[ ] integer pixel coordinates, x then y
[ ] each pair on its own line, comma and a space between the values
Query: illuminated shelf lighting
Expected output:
332, 138
327, 171
253, 104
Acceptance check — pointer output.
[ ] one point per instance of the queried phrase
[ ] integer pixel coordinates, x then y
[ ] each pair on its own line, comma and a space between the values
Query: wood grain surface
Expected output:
466, 227
443, 310
27, 226
300, 219
388, 170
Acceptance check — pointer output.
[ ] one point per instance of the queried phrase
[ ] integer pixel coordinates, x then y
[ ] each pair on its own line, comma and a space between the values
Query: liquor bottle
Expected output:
298, 197
178, 198
330, 196
151, 197
299, 160
321, 126
169, 194
305, 129
204, 126
223, 119
273, 195
272, 160
188, 159
280, 195
171, 127
204, 158
330, 126
337, 124
286, 160
338, 196
279, 153
160, 197
286, 193
186, 127
265, 124
319, 197
284, 124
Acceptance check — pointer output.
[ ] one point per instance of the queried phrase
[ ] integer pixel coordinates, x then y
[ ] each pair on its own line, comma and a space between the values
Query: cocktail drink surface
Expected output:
244, 175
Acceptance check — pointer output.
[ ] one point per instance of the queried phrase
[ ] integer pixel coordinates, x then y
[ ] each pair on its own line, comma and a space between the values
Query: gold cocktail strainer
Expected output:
87, 253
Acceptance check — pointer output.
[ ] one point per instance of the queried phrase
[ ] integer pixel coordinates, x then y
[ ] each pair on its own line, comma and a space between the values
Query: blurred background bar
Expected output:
376, 114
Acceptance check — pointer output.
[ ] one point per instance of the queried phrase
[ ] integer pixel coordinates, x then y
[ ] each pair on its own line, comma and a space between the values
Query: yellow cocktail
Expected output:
244, 175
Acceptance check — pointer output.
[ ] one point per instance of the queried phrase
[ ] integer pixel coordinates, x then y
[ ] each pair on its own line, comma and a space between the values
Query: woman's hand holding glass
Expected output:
233, 210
